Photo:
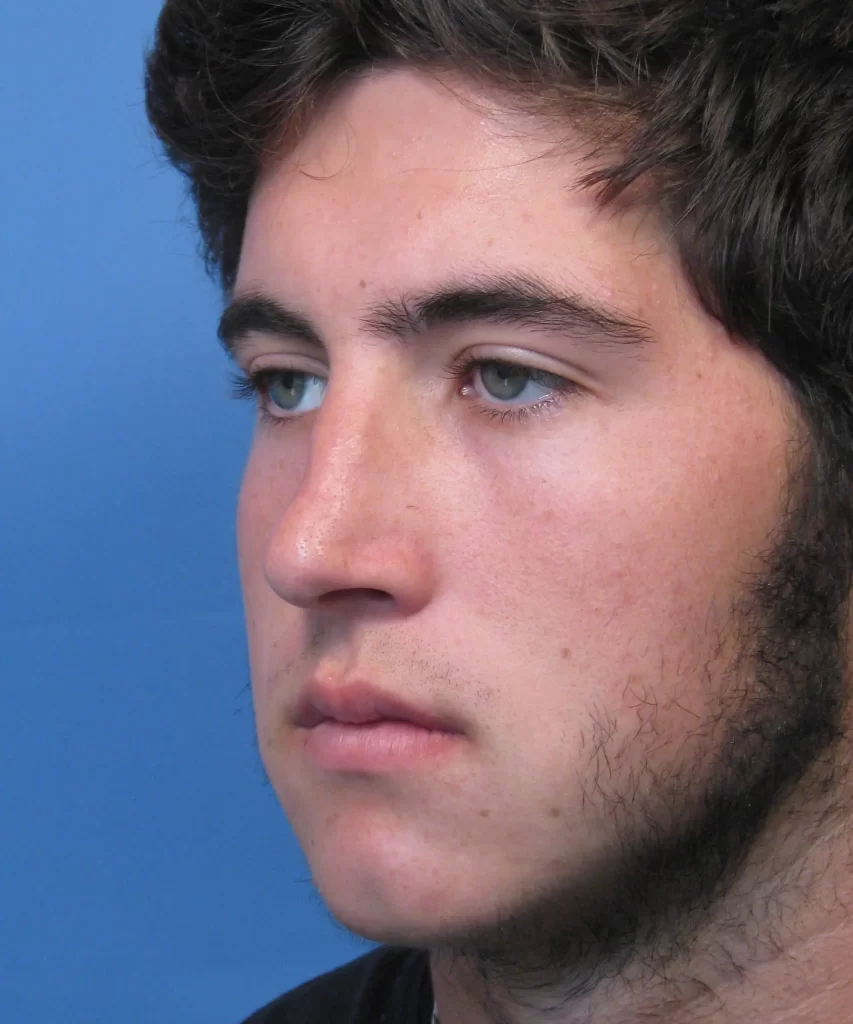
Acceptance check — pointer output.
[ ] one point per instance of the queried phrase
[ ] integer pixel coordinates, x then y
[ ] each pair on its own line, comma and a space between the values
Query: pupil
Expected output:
504, 381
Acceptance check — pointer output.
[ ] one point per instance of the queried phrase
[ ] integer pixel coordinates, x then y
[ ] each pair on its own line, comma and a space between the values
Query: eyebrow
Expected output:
512, 300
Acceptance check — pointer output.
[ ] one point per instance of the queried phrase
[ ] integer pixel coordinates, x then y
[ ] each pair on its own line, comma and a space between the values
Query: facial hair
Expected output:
678, 851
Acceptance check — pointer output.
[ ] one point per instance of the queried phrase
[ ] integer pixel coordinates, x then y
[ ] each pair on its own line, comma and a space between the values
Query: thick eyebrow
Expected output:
260, 314
513, 300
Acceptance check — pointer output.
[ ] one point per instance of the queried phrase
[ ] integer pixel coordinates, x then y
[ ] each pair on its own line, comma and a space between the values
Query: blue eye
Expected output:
281, 389
507, 381
286, 388
504, 381
295, 392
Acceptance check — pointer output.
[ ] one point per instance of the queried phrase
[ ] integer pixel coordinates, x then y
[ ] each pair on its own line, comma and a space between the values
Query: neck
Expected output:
776, 951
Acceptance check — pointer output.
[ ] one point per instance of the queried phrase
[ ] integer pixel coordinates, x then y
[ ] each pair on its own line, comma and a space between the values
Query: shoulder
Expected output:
388, 983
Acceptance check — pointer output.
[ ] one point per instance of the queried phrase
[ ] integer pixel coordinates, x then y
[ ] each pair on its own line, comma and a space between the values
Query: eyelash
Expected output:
255, 385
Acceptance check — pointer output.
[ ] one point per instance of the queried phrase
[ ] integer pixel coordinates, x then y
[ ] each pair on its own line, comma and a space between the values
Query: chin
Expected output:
380, 917
398, 904
387, 930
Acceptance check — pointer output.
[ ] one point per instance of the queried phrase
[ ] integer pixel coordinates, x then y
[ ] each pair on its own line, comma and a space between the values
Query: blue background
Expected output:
147, 873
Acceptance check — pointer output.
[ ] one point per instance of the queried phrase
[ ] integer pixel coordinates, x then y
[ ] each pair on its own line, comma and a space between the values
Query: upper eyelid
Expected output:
458, 361
252, 369
456, 368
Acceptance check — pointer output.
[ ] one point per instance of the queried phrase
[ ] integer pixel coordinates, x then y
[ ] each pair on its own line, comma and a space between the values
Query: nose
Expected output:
355, 533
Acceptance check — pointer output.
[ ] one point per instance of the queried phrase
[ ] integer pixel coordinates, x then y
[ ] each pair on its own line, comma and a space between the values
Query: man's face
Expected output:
558, 583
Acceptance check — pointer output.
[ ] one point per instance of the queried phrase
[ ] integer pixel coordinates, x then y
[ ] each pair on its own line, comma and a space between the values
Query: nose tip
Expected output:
386, 574
337, 557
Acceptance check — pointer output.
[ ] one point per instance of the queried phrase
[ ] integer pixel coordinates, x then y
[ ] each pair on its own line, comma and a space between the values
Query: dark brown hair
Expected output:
735, 117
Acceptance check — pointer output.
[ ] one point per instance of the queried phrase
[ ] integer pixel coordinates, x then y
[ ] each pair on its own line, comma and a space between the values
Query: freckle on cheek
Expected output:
485, 814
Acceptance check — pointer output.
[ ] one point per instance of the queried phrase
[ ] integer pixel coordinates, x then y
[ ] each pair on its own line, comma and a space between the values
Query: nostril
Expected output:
356, 594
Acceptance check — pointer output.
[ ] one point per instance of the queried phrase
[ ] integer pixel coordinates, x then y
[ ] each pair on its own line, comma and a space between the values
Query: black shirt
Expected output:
389, 985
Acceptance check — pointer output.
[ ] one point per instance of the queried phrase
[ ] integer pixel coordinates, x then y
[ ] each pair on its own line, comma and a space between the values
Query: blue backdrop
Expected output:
147, 873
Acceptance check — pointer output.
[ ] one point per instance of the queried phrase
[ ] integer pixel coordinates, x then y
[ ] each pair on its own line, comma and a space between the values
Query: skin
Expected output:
564, 585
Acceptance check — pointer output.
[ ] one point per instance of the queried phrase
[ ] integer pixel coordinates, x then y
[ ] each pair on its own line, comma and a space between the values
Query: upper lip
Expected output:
360, 702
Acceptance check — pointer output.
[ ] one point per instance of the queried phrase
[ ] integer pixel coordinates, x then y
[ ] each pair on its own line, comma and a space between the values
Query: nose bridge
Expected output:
361, 461
351, 525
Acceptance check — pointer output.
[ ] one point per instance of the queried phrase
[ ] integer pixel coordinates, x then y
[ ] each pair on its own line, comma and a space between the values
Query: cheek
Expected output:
252, 530
270, 484
271, 624
251, 524
583, 552
603, 570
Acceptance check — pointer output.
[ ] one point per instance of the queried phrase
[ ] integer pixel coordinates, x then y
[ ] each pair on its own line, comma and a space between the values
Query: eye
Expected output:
289, 388
515, 391
509, 390
281, 395
506, 382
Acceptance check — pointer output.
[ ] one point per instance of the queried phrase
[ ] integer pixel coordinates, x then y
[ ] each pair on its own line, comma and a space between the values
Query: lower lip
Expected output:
375, 746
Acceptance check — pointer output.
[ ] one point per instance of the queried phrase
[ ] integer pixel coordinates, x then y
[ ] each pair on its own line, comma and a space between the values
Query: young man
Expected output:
545, 533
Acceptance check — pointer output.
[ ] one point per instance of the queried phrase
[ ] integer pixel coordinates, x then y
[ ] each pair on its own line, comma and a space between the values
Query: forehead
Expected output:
407, 177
